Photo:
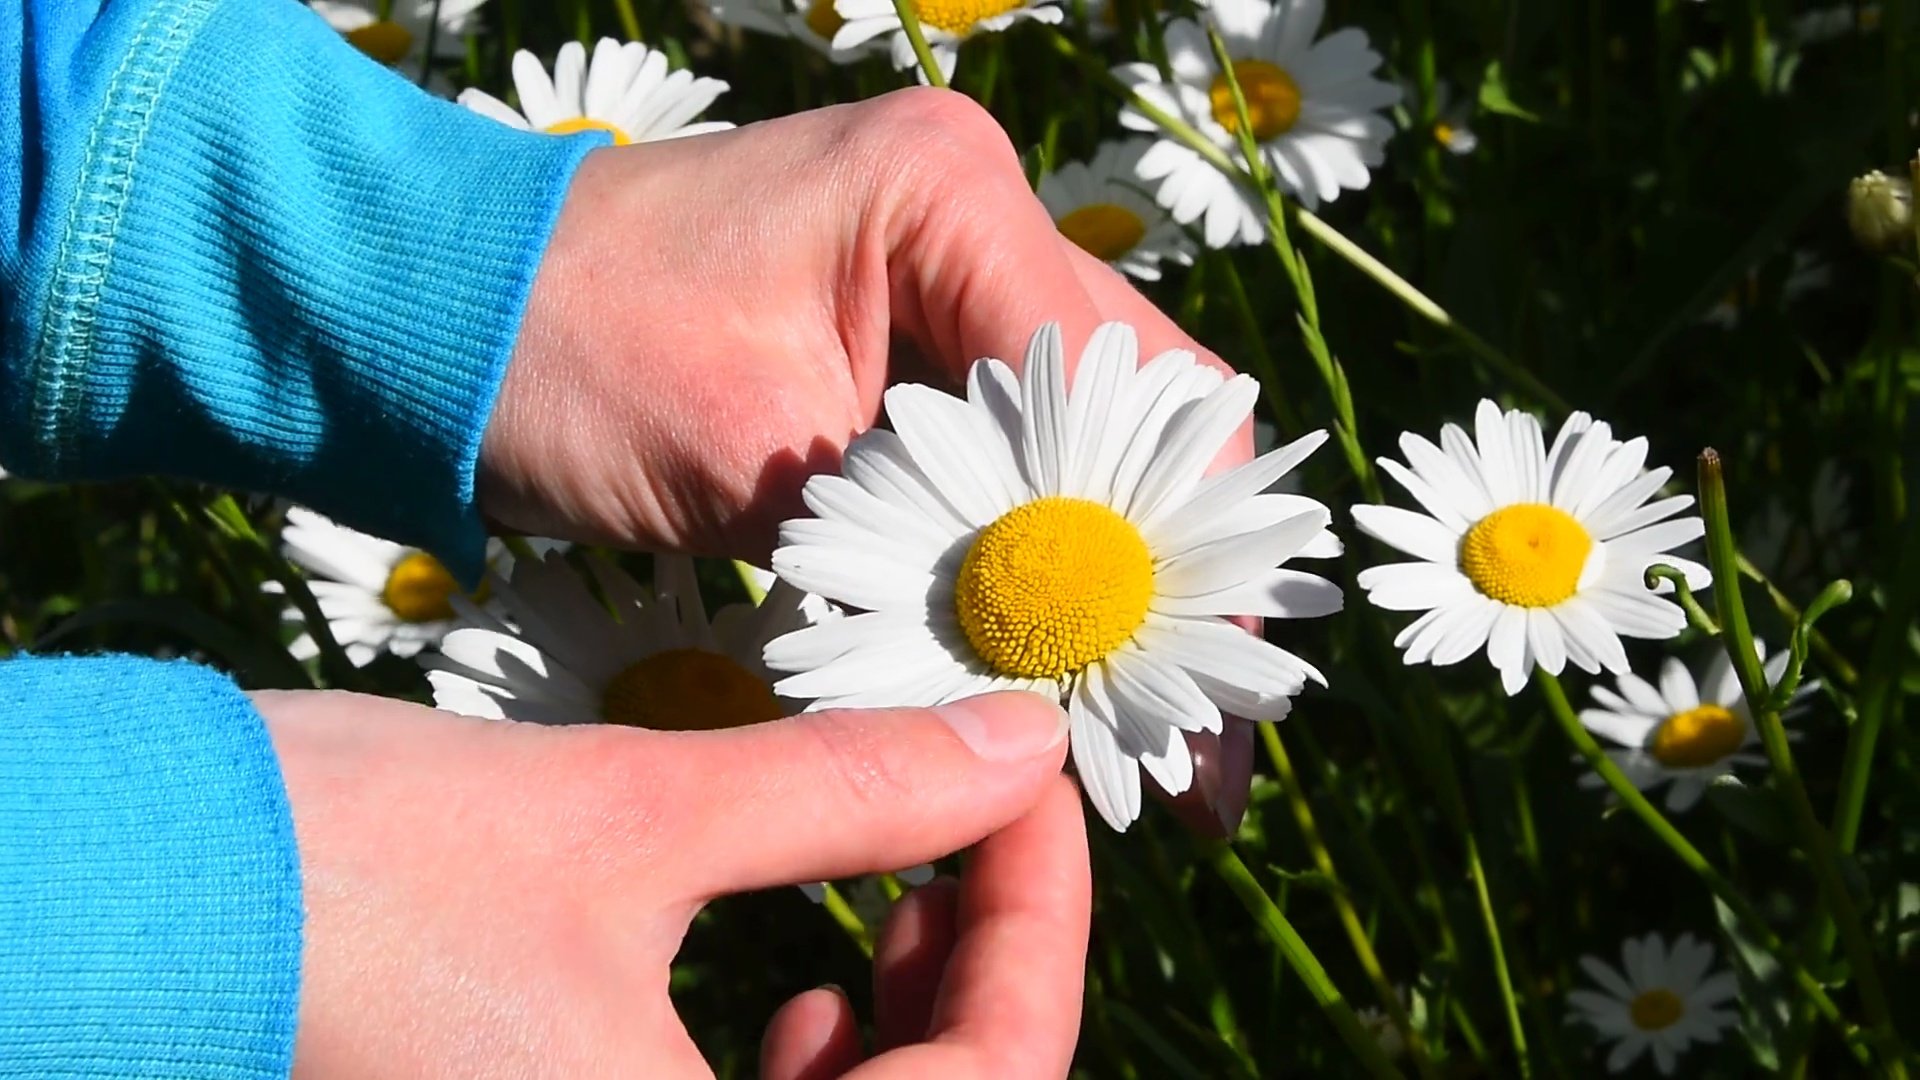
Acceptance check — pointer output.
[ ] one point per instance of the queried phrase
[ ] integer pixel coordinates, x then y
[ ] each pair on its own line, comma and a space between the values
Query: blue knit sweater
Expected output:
232, 249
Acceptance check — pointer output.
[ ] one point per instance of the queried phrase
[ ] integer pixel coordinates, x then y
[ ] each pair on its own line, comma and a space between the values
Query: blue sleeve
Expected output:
234, 249
149, 884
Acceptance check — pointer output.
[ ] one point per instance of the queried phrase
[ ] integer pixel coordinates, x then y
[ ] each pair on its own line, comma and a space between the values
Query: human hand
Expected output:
494, 899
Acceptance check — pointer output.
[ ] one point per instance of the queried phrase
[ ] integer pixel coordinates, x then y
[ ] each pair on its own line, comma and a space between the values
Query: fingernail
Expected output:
1009, 726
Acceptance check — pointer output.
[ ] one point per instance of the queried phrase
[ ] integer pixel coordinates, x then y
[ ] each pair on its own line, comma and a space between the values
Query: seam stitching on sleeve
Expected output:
60, 357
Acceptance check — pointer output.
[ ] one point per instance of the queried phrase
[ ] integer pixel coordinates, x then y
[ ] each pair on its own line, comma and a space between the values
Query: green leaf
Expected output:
1764, 1001
1752, 810
1495, 98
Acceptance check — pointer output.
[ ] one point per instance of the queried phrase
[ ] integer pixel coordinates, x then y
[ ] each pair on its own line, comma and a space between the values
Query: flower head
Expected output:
627, 91
1064, 542
1535, 552
811, 22
1663, 1000
1099, 206
1683, 732
400, 39
555, 655
377, 596
944, 24
1314, 108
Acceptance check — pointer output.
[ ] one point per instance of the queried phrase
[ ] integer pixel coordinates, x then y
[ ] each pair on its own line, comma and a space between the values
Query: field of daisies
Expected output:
1578, 340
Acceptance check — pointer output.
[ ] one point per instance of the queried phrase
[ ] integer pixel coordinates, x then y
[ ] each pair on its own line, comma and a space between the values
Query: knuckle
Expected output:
949, 133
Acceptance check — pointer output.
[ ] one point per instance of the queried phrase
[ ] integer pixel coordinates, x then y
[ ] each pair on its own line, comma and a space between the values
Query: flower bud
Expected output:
1880, 212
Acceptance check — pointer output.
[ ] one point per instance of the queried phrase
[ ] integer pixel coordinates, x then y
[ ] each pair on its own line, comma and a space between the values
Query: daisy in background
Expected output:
1821, 25
1662, 1000
1314, 108
1536, 553
400, 40
1805, 274
1683, 733
1813, 542
944, 23
1451, 118
547, 651
626, 91
1099, 206
377, 596
1064, 542
812, 22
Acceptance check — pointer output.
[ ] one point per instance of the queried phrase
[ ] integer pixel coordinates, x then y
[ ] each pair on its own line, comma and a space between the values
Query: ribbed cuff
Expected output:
307, 275
150, 908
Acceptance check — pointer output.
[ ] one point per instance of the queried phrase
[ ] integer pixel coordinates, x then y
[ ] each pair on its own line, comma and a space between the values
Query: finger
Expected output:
833, 794
973, 260
1010, 1001
909, 960
812, 1037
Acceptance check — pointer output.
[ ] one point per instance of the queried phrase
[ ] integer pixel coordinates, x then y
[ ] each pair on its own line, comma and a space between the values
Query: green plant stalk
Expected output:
1294, 949
746, 573
1738, 640
1880, 694
1343, 902
1837, 665
339, 669
910, 25
1688, 855
629, 22
842, 913
1346, 429
427, 46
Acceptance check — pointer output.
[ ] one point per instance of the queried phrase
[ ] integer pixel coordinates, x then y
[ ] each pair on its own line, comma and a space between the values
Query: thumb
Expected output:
837, 793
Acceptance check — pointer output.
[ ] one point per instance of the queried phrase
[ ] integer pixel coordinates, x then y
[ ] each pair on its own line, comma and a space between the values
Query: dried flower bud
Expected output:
1880, 212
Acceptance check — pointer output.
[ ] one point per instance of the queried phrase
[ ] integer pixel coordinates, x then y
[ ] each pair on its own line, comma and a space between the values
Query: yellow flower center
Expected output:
386, 41
822, 19
1656, 1009
687, 690
1698, 737
1527, 555
576, 124
1444, 133
1273, 99
958, 17
419, 589
1104, 230
1053, 586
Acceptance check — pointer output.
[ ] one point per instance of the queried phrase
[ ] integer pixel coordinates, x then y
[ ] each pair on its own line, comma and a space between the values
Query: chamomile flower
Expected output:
1378, 1024
1451, 118
626, 91
1662, 1000
1682, 733
400, 40
1099, 206
1535, 553
1314, 108
377, 596
944, 23
1064, 542
1835, 21
812, 22
555, 655
868, 898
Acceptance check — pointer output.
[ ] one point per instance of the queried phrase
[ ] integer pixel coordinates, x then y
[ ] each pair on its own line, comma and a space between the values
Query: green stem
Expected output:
1343, 903
1264, 368
1688, 855
629, 22
910, 24
842, 913
334, 662
1299, 957
1738, 639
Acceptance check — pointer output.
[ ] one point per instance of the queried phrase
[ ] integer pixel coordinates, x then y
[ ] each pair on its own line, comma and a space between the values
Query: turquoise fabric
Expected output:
231, 249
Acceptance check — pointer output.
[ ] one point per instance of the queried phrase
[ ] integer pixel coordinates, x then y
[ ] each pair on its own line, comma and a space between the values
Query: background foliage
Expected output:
1649, 176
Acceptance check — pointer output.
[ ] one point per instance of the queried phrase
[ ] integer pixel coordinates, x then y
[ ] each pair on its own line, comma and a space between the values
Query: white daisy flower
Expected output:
1313, 105
868, 898
1836, 21
1806, 273
555, 655
1683, 733
1451, 118
1536, 553
1065, 543
400, 40
1664, 1000
1378, 1024
626, 91
813, 22
944, 23
1099, 206
377, 596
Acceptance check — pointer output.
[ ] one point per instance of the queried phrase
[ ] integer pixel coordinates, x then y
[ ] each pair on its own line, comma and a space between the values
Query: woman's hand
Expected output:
495, 899
714, 316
